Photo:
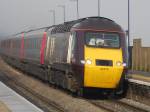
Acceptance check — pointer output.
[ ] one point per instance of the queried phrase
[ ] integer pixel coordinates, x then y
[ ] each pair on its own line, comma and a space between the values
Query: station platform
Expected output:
10, 101
139, 77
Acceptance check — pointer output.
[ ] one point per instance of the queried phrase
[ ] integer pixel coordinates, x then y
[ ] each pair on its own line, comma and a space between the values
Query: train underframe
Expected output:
64, 78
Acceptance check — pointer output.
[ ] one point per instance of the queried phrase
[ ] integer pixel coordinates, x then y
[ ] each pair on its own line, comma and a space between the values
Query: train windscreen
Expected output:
102, 39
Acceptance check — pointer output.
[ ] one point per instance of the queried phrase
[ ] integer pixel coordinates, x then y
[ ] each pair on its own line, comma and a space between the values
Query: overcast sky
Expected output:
20, 15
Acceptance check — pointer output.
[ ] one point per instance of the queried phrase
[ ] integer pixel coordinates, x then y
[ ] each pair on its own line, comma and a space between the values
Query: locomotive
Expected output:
85, 53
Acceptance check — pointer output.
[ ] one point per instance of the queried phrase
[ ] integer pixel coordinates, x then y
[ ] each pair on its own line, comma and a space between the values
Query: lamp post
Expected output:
98, 7
63, 6
77, 7
53, 12
128, 22
129, 61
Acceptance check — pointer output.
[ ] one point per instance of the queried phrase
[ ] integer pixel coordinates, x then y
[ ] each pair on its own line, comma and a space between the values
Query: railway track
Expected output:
45, 104
120, 106
49, 106
139, 91
137, 99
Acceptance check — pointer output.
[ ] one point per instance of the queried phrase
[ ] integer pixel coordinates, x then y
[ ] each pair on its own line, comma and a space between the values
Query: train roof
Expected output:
40, 29
87, 23
83, 23
32, 30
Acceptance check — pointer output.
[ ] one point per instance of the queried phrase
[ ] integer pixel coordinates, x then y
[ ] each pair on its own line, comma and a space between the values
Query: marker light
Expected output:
82, 61
118, 63
124, 64
89, 62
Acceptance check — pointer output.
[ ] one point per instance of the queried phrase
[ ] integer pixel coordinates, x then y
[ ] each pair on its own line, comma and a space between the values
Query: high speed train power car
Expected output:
86, 53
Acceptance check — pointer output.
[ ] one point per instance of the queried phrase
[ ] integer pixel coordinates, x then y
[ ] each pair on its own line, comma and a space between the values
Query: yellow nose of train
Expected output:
103, 67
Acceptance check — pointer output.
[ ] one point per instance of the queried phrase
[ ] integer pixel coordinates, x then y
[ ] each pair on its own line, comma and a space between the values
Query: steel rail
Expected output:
117, 106
44, 103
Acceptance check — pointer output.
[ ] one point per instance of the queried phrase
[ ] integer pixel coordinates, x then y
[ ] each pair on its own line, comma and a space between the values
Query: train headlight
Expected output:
89, 62
118, 63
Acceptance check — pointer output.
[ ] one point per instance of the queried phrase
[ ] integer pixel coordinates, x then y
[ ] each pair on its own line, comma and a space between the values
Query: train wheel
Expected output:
73, 85
80, 92
46, 75
57, 76
122, 91
51, 77
111, 94
64, 83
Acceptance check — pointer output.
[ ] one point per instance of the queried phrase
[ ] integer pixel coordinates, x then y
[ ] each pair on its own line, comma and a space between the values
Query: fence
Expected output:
140, 56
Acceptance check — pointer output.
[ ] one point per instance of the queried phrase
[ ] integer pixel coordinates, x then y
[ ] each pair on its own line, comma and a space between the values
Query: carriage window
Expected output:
100, 39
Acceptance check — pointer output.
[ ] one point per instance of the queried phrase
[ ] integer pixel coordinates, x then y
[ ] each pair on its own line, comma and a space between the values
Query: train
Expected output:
88, 53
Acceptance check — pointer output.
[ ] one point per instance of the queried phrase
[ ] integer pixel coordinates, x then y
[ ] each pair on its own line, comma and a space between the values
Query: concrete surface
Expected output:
12, 102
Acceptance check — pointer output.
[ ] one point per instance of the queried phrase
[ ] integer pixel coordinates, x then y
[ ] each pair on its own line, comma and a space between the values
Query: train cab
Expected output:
99, 53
